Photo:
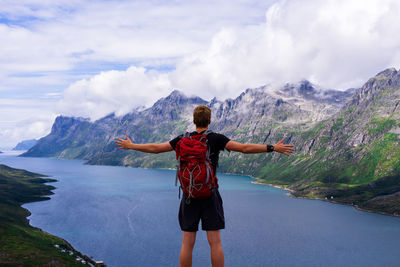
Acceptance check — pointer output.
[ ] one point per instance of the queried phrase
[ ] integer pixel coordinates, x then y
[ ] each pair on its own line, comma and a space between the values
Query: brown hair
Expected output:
202, 116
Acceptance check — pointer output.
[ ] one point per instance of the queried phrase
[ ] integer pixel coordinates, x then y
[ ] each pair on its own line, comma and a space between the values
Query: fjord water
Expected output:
128, 217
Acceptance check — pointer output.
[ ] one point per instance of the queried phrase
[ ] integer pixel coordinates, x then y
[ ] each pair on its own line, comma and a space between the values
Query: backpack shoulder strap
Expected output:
182, 136
207, 132
187, 134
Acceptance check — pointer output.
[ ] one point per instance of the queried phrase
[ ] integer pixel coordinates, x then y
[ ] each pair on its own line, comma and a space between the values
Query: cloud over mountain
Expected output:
114, 91
337, 44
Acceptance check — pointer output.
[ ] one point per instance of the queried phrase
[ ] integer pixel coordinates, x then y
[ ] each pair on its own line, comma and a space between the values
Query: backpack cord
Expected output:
177, 172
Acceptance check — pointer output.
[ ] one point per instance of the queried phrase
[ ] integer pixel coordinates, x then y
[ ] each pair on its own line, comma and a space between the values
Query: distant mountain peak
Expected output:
62, 117
390, 72
384, 81
214, 101
304, 89
178, 97
176, 94
305, 82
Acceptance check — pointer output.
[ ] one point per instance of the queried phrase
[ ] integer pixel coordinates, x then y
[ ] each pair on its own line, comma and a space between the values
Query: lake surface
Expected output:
128, 217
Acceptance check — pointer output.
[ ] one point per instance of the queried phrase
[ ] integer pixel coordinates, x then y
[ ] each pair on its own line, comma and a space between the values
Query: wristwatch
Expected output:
270, 148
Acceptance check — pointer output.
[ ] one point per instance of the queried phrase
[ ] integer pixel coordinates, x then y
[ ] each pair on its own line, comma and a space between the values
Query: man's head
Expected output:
202, 116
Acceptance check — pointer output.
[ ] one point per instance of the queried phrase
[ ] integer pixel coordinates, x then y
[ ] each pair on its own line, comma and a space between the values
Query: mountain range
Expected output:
347, 142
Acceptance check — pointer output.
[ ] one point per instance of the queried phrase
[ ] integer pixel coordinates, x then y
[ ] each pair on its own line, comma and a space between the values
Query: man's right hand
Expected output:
124, 144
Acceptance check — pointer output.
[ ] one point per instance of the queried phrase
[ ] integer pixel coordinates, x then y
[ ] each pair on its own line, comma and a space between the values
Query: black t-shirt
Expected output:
216, 142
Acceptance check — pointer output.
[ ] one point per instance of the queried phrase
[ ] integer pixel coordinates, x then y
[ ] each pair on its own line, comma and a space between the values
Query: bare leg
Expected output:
217, 254
188, 240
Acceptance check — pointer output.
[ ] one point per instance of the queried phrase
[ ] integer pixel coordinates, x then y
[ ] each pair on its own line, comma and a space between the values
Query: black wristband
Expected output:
270, 148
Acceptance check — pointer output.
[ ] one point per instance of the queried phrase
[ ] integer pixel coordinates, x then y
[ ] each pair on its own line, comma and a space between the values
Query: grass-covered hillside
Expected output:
20, 243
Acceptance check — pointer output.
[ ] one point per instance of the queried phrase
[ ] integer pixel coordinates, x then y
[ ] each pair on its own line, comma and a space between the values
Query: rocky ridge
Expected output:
344, 140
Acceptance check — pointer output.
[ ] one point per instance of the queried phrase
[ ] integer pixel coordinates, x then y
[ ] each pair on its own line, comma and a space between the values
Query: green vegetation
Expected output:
349, 110
380, 195
338, 124
381, 125
383, 155
20, 243
242, 130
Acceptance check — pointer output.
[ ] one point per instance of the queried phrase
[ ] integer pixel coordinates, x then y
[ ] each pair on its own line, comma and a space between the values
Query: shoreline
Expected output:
258, 181
290, 191
87, 258
90, 261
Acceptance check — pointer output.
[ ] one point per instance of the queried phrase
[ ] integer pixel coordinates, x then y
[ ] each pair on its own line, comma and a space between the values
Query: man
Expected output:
209, 210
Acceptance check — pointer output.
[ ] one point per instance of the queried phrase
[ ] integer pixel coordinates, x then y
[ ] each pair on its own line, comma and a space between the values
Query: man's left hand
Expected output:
284, 149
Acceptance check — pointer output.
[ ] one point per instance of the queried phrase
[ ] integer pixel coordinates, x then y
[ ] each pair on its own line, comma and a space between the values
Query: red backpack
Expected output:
194, 170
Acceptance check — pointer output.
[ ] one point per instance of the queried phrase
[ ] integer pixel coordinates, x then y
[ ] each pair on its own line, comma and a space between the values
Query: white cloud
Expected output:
22, 119
118, 91
337, 44
54, 37
214, 48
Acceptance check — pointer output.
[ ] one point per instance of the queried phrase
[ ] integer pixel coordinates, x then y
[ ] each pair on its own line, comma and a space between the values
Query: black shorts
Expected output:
209, 210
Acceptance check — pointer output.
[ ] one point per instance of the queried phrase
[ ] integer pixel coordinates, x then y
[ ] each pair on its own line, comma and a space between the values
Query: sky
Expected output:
91, 58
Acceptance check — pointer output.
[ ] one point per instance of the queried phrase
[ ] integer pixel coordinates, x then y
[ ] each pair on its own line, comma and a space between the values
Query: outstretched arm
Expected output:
148, 148
254, 148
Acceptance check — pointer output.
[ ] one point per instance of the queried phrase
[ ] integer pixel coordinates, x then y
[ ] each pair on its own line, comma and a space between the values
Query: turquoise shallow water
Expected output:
128, 217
